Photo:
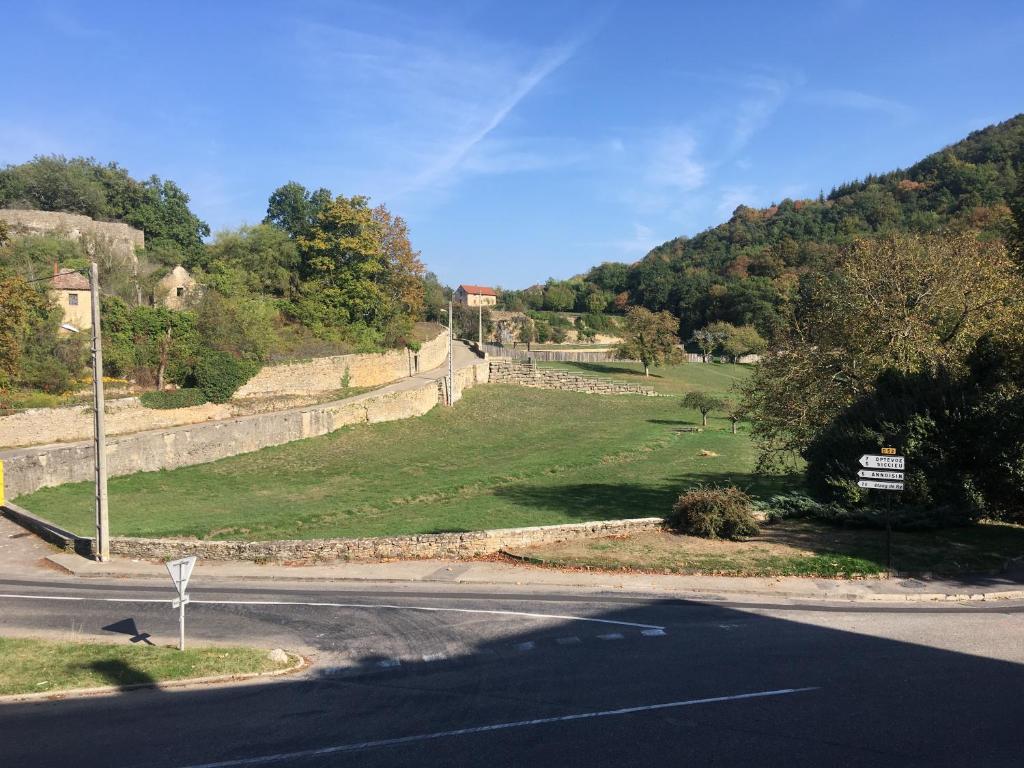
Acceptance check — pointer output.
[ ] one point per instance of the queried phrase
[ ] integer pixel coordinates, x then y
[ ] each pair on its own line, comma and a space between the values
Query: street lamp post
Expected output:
99, 437
450, 381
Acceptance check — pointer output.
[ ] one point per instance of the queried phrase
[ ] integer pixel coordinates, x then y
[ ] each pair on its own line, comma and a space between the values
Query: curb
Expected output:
80, 693
696, 592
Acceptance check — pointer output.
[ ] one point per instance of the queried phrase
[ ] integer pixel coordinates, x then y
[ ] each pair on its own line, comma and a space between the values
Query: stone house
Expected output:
475, 296
175, 289
70, 290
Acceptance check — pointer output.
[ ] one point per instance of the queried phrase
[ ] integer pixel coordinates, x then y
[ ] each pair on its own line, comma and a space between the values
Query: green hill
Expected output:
746, 270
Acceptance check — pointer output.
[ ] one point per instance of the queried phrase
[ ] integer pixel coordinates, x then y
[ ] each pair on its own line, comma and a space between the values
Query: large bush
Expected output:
219, 375
714, 513
173, 398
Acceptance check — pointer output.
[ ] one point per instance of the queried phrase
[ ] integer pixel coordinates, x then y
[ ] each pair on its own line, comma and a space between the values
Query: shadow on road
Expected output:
552, 692
129, 627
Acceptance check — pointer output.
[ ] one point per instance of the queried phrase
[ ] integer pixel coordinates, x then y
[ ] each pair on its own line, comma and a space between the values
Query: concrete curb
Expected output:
301, 662
840, 594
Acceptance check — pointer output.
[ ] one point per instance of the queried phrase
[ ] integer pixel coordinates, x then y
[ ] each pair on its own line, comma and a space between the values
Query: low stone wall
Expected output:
427, 545
325, 374
529, 375
277, 387
28, 469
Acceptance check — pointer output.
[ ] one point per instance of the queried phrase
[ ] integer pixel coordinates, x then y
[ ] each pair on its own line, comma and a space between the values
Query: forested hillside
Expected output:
747, 270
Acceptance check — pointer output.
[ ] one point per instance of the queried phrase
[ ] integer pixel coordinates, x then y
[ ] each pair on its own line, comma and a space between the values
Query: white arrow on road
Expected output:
879, 474
880, 485
872, 461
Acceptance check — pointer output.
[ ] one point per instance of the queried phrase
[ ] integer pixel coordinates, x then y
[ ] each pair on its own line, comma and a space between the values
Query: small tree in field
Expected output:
735, 411
650, 337
703, 402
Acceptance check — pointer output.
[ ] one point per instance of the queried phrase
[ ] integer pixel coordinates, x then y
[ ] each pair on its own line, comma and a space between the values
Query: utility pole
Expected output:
451, 375
99, 438
480, 326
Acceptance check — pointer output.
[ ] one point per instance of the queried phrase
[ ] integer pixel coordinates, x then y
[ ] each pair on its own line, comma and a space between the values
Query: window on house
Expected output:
73, 299
181, 291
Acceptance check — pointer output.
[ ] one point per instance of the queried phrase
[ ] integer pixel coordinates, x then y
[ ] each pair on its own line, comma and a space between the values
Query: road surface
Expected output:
447, 676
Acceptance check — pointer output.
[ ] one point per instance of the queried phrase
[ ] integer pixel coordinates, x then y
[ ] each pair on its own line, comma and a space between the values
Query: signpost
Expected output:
181, 571
883, 473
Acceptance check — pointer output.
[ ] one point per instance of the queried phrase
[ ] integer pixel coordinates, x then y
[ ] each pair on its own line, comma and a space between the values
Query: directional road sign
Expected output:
180, 571
879, 474
872, 461
880, 485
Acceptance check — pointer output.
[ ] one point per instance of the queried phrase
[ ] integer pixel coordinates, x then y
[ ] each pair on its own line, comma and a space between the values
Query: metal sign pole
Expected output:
181, 626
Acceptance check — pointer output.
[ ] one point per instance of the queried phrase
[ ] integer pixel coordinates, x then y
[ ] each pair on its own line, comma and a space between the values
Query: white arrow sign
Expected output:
880, 485
879, 474
871, 461
180, 571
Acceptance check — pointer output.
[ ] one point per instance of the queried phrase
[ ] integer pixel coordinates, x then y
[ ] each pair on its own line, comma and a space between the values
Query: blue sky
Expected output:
520, 140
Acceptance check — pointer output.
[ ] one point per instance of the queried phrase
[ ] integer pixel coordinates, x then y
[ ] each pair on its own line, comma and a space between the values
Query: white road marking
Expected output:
611, 636
529, 645
650, 632
389, 663
434, 657
379, 606
364, 745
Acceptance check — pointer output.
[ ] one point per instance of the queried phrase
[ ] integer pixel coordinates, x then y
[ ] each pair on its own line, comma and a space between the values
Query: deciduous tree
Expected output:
650, 337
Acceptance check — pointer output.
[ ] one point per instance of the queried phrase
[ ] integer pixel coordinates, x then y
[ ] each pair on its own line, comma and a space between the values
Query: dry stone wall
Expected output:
427, 545
28, 469
119, 237
529, 375
324, 374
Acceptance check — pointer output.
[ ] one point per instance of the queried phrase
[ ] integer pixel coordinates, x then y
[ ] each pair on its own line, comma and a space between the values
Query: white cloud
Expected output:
858, 100
733, 196
673, 161
755, 111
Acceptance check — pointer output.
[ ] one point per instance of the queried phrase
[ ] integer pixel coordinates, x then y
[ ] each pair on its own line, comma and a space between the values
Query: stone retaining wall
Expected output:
275, 387
325, 374
427, 545
529, 375
28, 469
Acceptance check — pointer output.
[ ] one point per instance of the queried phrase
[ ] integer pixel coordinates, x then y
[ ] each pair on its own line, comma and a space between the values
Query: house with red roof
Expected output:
475, 296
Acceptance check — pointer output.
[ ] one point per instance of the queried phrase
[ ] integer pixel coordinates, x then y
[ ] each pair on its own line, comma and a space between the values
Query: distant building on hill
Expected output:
70, 290
175, 289
475, 296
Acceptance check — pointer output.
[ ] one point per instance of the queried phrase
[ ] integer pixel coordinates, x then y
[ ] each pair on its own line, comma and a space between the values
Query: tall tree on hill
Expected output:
294, 209
405, 271
650, 337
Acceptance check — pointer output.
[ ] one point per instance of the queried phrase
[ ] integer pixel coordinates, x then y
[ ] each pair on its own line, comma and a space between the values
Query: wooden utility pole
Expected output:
99, 437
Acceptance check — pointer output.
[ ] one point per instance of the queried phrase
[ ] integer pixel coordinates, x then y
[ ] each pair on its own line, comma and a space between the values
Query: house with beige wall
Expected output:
176, 288
475, 296
70, 290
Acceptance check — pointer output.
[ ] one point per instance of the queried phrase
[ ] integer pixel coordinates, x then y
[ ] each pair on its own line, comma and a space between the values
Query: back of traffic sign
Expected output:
180, 571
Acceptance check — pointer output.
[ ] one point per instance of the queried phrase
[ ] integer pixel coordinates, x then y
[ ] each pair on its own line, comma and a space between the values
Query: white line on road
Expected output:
363, 745
611, 636
380, 606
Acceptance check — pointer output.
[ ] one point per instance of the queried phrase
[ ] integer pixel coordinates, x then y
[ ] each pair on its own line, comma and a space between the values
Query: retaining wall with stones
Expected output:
325, 374
119, 237
28, 469
421, 546
275, 387
529, 375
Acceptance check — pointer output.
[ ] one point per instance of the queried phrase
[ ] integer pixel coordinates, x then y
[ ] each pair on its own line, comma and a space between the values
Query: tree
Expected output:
294, 209
900, 303
736, 411
405, 271
703, 402
559, 297
19, 304
707, 340
737, 341
649, 337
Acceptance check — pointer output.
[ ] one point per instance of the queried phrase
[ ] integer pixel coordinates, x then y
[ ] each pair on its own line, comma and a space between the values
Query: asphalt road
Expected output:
448, 677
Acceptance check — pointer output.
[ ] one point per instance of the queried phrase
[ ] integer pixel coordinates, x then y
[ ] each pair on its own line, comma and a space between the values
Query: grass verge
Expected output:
41, 666
794, 548
718, 378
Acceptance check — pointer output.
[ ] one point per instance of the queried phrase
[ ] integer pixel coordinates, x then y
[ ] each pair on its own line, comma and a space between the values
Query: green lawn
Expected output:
504, 456
672, 380
38, 666
794, 548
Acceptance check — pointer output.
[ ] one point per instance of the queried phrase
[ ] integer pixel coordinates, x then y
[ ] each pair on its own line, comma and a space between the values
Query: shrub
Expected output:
714, 513
800, 506
173, 398
219, 375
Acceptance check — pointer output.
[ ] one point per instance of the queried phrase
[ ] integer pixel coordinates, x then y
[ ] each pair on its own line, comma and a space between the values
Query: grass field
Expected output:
38, 666
504, 456
794, 548
719, 378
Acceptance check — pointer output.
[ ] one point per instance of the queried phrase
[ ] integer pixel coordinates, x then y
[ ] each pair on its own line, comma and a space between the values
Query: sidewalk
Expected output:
523, 577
